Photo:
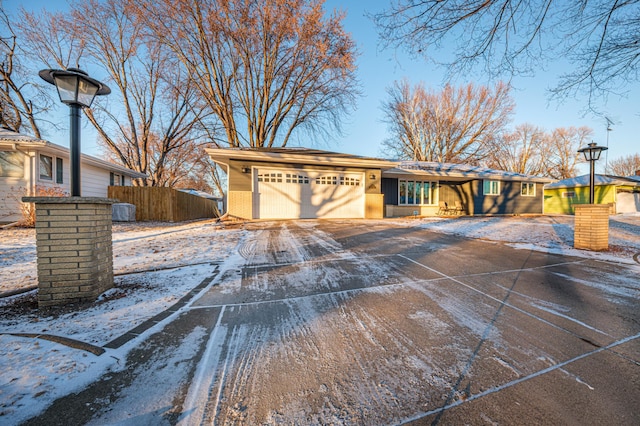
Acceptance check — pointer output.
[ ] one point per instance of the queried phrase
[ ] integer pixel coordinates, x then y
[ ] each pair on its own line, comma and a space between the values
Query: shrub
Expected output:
29, 209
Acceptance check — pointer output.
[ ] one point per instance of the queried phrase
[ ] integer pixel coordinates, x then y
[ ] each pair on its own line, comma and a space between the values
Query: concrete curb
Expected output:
18, 291
132, 334
76, 344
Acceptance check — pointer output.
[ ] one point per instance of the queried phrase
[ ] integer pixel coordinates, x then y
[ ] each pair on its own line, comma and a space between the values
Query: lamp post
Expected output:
592, 154
77, 90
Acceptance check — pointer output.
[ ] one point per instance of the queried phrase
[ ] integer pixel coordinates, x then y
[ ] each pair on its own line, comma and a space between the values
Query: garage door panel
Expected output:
282, 194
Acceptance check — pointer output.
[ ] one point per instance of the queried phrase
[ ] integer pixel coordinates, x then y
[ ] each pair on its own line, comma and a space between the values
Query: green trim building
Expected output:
622, 193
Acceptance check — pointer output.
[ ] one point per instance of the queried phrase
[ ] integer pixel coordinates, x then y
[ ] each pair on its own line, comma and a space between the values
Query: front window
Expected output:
46, 167
416, 192
491, 187
59, 171
528, 189
11, 164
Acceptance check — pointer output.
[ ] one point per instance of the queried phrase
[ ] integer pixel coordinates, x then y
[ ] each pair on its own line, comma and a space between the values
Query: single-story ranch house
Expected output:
289, 183
28, 164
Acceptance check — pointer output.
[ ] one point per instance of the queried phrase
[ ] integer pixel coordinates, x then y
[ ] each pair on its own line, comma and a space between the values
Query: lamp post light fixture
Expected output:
592, 154
77, 90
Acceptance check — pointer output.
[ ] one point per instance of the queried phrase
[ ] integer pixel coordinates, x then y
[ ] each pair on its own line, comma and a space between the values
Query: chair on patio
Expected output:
443, 208
458, 208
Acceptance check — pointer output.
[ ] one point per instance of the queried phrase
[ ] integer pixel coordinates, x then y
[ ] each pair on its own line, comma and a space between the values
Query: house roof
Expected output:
19, 141
296, 156
389, 167
459, 171
599, 180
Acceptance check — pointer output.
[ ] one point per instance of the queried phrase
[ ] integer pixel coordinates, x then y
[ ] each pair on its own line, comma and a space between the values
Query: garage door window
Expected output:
299, 179
350, 181
270, 177
327, 180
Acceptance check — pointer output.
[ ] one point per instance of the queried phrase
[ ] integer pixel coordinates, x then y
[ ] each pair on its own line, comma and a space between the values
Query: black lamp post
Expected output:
77, 90
592, 154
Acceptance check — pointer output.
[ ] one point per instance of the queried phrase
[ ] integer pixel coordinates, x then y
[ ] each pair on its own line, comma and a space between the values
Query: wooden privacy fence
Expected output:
164, 204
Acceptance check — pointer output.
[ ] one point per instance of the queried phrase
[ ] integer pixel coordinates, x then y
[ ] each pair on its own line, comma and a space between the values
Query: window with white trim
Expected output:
491, 187
416, 192
116, 179
46, 167
59, 170
528, 189
50, 168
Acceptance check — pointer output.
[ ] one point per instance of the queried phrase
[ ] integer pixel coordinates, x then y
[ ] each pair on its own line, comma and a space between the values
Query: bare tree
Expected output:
628, 165
151, 115
601, 38
454, 125
522, 151
265, 68
21, 100
562, 157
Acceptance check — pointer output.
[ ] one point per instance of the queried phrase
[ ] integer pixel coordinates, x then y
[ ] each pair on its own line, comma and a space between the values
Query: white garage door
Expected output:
287, 194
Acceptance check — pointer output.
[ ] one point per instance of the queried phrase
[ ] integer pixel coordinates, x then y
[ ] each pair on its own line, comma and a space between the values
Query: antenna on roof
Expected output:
606, 154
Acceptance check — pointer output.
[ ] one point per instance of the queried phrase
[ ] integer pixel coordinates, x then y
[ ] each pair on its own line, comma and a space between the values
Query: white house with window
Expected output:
31, 166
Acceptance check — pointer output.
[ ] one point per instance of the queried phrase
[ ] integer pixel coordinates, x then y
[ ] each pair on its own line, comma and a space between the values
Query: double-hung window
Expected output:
46, 167
416, 192
528, 189
491, 187
51, 168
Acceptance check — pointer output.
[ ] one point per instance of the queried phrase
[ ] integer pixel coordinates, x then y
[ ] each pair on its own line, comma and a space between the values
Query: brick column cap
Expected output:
70, 200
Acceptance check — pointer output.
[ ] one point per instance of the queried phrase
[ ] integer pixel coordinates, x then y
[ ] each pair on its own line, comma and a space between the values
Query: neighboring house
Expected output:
29, 165
287, 183
622, 193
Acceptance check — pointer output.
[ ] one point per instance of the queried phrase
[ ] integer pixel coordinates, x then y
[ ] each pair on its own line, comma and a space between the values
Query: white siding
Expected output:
94, 181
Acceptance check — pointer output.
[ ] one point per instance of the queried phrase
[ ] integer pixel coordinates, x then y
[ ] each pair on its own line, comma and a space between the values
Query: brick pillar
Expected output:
591, 227
73, 241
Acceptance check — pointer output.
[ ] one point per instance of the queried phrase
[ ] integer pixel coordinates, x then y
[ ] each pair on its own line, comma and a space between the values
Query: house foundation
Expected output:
591, 227
74, 248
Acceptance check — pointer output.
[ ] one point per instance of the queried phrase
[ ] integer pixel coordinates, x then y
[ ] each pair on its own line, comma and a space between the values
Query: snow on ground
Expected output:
156, 264
551, 234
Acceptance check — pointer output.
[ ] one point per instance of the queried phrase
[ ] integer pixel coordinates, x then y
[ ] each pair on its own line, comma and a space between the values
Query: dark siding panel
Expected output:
390, 191
509, 201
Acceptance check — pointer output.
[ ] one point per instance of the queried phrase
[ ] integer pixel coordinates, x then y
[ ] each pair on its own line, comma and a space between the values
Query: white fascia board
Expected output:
223, 155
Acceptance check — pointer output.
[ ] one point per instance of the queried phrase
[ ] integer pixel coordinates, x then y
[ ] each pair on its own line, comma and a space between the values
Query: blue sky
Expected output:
378, 69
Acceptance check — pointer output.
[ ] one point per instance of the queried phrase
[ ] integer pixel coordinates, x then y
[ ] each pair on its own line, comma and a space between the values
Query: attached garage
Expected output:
300, 183
307, 194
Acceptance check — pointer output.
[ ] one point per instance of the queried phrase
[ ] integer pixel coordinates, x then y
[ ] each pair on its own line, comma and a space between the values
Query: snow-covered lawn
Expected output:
156, 264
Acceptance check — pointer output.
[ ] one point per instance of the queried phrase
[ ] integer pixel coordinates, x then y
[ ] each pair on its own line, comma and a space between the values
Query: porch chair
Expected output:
443, 208
458, 208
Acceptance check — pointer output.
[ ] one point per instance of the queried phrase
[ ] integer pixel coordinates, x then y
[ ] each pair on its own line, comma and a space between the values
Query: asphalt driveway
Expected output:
359, 322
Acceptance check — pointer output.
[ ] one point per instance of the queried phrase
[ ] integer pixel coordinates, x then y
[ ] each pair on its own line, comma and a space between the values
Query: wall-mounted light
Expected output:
246, 170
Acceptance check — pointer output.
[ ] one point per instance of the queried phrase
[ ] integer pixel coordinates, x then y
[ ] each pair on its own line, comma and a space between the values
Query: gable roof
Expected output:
599, 180
296, 156
14, 140
388, 167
